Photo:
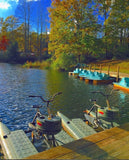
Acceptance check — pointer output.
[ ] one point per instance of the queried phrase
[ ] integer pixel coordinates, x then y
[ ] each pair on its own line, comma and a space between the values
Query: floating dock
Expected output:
99, 81
73, 74
94, 77
15, 144
117, 75
109, 144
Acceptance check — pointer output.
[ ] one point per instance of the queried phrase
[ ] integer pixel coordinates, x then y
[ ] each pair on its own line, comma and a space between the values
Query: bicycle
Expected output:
100, 114
45, 127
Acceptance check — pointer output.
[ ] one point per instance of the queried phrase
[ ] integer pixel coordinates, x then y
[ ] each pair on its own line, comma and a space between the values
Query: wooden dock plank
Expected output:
53, 154
105, 148
108, 144
94, 150
73, 155
116, 148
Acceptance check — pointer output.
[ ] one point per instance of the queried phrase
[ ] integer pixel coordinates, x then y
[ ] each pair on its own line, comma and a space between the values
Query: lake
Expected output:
17, 83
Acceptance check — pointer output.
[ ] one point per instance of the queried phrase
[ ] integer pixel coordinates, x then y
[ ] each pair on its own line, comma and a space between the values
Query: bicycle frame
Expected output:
35, 127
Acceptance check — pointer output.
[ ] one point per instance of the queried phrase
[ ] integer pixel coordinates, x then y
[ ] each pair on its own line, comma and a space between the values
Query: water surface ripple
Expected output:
16, 83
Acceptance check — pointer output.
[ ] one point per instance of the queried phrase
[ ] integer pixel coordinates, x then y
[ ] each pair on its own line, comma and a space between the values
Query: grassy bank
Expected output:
123, 65
37, 64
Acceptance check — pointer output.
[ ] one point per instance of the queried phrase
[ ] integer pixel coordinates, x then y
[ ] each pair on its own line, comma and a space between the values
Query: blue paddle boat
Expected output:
122, 84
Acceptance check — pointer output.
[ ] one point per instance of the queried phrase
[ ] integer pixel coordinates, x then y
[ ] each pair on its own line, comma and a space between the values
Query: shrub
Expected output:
37, 64
64, 62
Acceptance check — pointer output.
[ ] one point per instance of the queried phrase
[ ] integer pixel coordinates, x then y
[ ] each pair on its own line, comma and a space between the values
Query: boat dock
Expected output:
109, 144
118, 75
112, 79
112, 74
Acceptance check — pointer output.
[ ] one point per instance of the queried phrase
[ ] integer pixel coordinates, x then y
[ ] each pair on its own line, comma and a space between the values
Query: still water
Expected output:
17, 83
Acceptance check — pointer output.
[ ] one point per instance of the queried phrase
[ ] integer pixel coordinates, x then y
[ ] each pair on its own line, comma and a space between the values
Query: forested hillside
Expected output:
80, 31
84, 30
24, 34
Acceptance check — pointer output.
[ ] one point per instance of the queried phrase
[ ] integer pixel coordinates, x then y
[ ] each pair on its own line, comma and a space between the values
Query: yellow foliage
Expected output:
108, 2
37, 64
127, 8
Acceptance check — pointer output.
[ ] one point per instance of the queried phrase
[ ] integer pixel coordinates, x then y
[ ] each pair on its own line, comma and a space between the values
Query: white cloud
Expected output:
4, 5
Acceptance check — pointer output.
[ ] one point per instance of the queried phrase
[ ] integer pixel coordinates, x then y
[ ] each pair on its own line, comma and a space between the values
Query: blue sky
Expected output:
11, 7
8, 7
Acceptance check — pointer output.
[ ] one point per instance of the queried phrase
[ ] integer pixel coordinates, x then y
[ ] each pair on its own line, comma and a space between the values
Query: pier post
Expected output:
100, 68
94, 68
108, 69
90, 67
117, 78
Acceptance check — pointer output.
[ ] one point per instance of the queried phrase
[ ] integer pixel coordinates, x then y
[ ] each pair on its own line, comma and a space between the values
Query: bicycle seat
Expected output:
37, 106
92, 100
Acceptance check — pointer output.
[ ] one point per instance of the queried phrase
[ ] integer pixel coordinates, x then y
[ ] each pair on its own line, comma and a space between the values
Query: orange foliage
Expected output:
127, 8
45, 49
3, 43
108, 2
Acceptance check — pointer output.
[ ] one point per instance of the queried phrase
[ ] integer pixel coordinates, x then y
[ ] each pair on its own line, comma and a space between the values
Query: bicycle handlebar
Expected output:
50, 100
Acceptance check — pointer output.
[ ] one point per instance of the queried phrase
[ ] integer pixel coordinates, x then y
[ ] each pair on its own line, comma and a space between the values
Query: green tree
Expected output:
19, 37
104, 9
73, 25
118, 29
8, 27
12, 52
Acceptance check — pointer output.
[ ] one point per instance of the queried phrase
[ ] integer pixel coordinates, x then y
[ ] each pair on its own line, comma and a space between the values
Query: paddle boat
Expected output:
122, 84
15, 144
76, 128
102, 117
83, 74
76, 72
95, 77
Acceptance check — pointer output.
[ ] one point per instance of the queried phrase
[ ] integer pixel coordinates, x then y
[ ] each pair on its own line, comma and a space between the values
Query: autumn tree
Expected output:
19, 37
1, 23
3, 43
73, 25
9, 27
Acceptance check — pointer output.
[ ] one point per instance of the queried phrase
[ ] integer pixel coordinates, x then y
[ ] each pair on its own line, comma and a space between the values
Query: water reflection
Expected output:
122, 96
17, 83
